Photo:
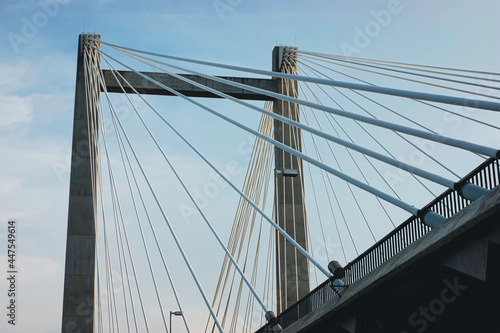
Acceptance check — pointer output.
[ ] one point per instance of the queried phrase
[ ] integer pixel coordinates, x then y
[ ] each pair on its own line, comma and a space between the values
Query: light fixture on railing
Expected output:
273, 321
338, 272
336, 269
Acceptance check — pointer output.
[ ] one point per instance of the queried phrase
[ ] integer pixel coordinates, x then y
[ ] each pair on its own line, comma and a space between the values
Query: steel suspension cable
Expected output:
318, 155
294, 112
420, 125
400, 115
250, 301
266, 275
127, 242
174, 236
135, 277
155, 284
394, 65
377, 122
400, 63
390, 91
203, 215
323, 175
470, 191
90, 96
255, 193
353, 159
149, 222
275, 143
144, 205
431, 217
137, 215
112, 313
416, 81
116, 205
374, 139
351, 140
199, 209
331, 207
406, 118
329, 119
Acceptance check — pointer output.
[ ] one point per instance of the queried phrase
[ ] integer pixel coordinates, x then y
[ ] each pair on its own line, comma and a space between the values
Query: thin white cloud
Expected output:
14, 110
37, 75
23, 85
40, 313
8, 185
25, 157
17, 76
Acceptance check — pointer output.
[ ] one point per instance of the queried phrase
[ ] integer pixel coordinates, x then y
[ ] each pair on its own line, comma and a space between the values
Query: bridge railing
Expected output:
486, 175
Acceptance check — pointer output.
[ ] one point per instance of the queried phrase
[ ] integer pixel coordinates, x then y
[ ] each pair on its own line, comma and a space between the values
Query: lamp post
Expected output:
175, 313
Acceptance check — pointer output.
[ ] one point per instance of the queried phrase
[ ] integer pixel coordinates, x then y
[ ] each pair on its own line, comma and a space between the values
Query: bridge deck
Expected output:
449, 246
463, 248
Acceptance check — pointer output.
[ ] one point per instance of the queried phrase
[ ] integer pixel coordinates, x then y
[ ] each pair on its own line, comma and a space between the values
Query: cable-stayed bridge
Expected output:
337, 162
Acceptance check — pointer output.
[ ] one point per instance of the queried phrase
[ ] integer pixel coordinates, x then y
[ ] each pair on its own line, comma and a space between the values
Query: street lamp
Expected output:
175, 313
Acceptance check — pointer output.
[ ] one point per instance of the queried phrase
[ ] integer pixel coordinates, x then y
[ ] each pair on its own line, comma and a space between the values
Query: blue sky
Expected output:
37, 77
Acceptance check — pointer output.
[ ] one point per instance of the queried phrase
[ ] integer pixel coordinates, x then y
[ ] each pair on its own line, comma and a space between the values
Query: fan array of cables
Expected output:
372, 155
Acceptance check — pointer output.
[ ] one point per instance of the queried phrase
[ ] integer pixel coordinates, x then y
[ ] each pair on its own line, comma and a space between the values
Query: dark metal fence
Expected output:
486, 175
